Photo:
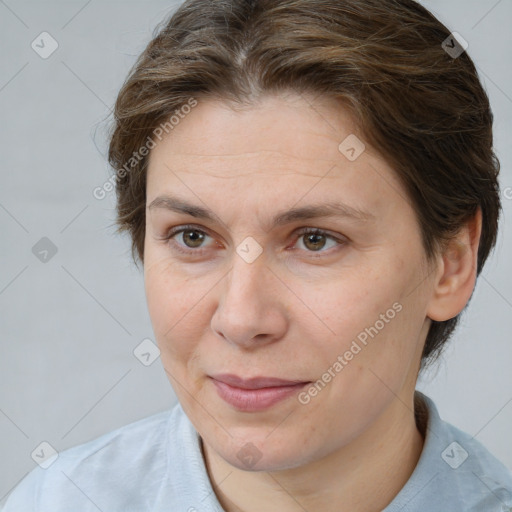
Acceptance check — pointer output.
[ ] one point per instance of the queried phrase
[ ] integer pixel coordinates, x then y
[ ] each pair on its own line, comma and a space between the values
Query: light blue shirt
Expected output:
156, 465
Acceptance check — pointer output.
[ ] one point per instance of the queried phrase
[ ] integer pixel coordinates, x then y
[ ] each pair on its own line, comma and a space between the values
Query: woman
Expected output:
311, 188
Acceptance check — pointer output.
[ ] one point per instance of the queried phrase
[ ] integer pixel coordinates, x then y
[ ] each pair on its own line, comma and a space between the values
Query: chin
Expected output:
267, 462
262, 453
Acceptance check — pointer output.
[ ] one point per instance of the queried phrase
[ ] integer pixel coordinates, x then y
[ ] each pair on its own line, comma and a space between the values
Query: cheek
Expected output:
160, 294
355, 302
374, 321
172, 305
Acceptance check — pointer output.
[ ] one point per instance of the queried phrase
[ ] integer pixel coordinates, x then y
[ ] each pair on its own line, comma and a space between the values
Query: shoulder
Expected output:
479, 475
94, 473
455, 472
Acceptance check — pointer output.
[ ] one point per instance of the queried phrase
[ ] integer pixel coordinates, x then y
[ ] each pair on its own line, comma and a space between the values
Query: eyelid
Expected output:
337, 236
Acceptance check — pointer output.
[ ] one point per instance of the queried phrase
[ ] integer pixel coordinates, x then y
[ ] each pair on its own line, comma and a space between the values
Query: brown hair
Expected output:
423, 109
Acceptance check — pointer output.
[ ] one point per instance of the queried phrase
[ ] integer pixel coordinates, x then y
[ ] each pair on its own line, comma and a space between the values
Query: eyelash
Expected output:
190, 227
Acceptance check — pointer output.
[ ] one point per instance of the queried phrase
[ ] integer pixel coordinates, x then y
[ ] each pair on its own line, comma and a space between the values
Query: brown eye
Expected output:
191, 242
314, 241
192, 237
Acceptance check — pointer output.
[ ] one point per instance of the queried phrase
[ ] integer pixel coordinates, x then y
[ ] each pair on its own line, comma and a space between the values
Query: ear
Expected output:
456, 274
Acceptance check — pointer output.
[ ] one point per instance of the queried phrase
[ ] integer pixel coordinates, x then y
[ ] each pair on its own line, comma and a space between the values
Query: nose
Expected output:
250, 311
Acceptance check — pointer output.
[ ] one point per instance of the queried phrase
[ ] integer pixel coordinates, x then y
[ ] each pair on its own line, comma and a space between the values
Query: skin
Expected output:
292, 311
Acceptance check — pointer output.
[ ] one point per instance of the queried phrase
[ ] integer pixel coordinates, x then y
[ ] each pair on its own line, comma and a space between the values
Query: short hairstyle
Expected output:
422, 107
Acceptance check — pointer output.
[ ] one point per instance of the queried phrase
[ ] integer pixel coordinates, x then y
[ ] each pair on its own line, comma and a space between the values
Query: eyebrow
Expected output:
330, 209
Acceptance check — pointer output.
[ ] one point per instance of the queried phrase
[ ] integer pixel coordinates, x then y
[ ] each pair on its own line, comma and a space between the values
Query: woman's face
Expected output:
252, 292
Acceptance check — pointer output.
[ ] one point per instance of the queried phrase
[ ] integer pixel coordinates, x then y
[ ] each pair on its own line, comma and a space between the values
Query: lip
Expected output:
254, 394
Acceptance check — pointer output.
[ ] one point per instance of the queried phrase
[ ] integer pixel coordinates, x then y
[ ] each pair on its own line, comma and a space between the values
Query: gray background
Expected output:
69, 326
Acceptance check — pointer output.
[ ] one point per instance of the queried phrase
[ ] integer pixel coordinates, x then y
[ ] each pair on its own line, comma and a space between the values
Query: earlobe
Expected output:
456, 277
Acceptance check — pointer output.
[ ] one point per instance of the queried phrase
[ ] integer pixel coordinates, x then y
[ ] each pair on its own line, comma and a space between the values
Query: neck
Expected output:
365, 475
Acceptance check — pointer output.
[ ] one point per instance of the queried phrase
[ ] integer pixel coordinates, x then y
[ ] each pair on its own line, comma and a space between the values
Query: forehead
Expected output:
283, 143
291, 128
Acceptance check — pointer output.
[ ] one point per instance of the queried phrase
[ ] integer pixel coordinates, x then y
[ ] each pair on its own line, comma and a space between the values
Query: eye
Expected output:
191, 239
314, 240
